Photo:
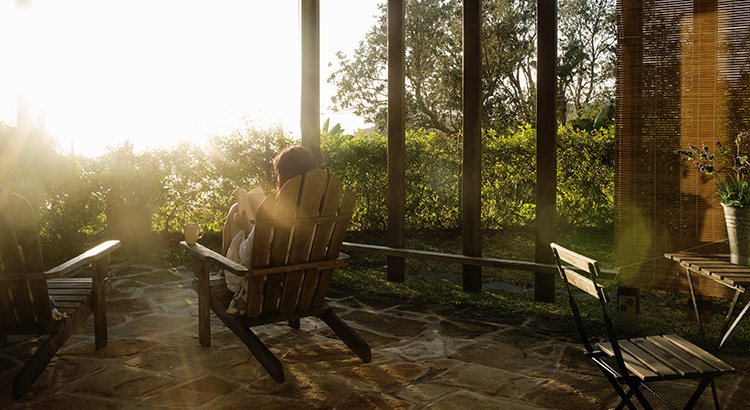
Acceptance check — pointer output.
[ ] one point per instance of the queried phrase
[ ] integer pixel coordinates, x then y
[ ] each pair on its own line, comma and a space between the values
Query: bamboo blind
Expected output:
683, 76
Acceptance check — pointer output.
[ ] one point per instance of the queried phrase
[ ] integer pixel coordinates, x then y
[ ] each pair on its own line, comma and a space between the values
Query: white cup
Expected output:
193, 232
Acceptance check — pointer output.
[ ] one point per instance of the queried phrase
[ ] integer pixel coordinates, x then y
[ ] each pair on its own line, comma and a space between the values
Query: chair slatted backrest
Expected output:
306, 223
24, 298
570, 264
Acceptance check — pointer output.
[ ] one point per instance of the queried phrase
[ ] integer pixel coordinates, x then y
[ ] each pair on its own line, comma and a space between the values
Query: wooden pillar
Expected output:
396, 137
310, 101
24, 114
472, 144
546, 145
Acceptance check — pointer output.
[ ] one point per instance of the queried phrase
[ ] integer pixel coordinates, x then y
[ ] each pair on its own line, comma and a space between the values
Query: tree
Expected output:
587, 66
434, 66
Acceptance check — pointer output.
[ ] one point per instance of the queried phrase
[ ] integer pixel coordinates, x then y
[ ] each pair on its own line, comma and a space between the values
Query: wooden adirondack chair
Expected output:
26, 288
296, 246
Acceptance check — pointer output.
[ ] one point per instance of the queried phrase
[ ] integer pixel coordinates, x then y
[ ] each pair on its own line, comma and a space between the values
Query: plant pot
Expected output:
738, 232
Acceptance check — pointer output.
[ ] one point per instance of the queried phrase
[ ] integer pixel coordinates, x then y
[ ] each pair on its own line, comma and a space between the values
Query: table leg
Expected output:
703, 335
695, 306
728, 332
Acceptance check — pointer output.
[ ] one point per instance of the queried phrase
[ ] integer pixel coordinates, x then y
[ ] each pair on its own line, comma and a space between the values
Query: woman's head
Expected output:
292, 161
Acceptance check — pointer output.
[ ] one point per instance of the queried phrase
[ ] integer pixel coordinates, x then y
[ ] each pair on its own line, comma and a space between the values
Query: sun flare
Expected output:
159, 72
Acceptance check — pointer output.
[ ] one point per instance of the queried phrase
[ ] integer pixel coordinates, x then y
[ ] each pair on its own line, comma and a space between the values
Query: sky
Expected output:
156, 72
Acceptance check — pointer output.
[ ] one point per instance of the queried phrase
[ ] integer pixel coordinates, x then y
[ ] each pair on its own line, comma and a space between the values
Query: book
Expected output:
249, 201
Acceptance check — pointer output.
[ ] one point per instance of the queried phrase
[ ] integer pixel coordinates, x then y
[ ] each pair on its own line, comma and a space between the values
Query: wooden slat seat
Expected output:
636, 360
26, 288
298, 236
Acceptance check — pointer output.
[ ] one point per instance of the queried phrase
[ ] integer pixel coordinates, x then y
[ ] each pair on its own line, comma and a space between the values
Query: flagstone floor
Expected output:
434, 356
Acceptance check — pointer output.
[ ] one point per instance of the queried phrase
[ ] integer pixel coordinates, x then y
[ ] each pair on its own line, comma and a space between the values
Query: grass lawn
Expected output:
509, 294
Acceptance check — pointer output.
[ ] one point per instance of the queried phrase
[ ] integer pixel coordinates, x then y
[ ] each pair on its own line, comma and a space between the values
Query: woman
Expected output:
237, 236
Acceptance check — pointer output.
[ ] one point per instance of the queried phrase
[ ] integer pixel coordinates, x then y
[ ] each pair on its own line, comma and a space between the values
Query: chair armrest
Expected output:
201, 252
90, 256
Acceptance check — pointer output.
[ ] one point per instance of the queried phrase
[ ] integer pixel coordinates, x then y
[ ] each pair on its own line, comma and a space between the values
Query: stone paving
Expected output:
433, 356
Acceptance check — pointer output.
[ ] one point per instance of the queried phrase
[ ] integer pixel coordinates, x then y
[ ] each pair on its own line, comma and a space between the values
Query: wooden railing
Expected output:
608, 274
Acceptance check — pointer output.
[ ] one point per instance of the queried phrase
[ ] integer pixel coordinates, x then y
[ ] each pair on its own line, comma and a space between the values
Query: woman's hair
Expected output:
292, 161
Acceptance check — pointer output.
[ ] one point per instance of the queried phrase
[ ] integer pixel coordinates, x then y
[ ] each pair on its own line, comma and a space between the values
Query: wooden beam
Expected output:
472, 144
310, 98
546, 145
396, 137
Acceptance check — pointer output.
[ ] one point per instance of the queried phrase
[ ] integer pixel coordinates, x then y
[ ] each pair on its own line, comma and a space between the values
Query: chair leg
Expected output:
259, 350
201, 270
262, 354
714, 395
624, 397
347, 335
635, 388
99, 274
35, 366
698, 391
38, 362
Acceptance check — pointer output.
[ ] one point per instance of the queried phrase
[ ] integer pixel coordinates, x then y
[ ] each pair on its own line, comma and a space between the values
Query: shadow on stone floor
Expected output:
424, 356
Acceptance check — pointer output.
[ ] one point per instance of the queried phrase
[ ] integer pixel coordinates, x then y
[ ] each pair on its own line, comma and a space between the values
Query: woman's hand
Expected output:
244, 222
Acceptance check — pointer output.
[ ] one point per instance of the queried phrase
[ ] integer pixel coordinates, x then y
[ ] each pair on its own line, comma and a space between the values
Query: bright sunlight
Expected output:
157, 72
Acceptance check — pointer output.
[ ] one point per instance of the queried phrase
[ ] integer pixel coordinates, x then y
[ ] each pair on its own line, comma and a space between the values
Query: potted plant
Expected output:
730, 169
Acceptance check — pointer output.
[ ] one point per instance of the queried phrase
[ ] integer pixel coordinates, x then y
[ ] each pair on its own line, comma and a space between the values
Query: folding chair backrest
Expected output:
305, 224
24, 298
571, 265
565, 257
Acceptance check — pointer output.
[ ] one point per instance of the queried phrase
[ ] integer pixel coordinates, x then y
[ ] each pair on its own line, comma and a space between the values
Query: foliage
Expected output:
433, 72
433, 177
434, 67
63, 190
586, 70
586, 176
79, 200
730, 170
508, 177
509, 63
360, 161
72, 215
201, 180
130, 179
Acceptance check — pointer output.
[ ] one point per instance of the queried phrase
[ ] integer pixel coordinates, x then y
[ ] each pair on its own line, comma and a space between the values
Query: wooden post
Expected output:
24, 116
310, 98
546, 145
396, 137
472, 144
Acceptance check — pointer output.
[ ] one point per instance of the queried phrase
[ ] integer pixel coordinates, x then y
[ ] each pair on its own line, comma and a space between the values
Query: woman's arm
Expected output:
229, 231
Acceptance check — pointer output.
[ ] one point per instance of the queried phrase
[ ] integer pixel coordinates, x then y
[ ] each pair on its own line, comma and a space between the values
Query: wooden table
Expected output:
719, 269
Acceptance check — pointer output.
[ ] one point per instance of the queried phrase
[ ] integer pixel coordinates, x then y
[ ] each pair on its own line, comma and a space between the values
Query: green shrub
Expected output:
433, 177
586, 176
76, 197
360, 161
200, 181
508, 178
64, 191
